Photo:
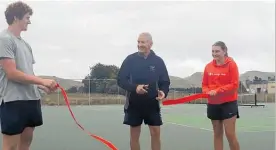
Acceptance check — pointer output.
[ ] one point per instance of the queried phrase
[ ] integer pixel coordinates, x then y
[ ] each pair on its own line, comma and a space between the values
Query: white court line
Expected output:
257, 131
183, 125
205, 129
101, 109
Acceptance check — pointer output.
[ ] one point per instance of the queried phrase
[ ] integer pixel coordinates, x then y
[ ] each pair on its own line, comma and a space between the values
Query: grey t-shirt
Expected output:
16, 48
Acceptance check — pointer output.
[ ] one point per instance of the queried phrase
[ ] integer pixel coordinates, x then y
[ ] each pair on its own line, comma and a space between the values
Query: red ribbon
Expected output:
107, 143
184, 99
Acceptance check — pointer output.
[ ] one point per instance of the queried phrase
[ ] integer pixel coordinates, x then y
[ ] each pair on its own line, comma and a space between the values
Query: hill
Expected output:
176, 82
251, 74
196, 78
65, 83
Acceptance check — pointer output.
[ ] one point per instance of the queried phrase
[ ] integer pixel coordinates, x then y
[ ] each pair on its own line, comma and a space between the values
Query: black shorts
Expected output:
149, 114
15, 116
222, 111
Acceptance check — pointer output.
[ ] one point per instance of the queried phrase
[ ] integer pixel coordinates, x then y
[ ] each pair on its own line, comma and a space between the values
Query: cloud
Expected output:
76, 35
186, 66
65, 60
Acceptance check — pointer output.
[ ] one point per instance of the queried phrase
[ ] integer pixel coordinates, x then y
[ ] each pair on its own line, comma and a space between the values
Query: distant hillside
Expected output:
251, 74
65, 83
196, 78
176, 82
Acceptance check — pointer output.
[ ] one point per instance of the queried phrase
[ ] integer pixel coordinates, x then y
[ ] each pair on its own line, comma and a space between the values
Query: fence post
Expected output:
58, 98
89, 80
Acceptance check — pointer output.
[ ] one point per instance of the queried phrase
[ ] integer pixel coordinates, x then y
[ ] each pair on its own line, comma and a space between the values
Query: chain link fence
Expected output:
106, 91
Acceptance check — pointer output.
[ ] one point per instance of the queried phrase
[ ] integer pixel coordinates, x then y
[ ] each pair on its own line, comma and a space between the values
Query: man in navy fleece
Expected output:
145, 78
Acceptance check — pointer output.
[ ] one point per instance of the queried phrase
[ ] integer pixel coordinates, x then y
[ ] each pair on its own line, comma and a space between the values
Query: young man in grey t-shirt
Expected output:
20, 109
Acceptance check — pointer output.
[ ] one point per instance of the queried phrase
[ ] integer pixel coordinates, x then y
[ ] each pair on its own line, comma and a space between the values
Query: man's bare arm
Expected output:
13, 74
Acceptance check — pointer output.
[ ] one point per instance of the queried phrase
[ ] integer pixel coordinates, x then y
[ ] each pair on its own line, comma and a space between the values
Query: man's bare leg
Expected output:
155, 137
10, 142
134, 137
26, 139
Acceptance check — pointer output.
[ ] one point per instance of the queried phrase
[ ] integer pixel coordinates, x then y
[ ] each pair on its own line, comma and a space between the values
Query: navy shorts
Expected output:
222, 111
15, 116
150, 114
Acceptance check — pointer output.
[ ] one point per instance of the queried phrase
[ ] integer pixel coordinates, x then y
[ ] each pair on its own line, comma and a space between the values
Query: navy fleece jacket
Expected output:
136, 70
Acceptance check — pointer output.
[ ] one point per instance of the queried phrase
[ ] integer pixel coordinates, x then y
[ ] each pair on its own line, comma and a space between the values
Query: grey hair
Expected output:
147, 34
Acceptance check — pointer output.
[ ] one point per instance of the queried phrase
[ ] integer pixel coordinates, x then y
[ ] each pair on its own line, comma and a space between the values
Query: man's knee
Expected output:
155, 131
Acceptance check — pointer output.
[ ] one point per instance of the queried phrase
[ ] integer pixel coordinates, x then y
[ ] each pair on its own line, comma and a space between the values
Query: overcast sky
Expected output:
71, 36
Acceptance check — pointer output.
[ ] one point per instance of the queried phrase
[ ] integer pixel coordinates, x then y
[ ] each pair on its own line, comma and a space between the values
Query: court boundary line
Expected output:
210, 130
188, 126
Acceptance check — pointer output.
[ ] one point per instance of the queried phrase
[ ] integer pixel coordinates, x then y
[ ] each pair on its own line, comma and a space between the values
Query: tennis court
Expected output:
186, 127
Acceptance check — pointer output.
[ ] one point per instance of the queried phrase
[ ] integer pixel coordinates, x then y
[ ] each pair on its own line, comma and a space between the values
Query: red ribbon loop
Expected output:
107, 143
185, 99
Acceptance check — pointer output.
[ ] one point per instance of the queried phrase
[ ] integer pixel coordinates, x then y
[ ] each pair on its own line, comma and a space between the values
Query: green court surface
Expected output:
251, 119
185, 128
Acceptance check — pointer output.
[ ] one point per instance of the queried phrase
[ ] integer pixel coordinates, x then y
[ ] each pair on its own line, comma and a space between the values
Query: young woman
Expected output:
221, 81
